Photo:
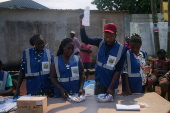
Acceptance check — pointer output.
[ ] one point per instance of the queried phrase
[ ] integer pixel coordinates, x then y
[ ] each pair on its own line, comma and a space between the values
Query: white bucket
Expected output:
89, 90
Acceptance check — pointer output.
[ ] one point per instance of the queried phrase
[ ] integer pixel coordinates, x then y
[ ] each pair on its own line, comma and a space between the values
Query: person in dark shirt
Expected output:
110, 58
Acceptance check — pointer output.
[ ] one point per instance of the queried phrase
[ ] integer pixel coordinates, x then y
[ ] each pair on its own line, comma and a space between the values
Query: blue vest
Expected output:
64, 75
104, 73
135, 79
3, 79
36, 69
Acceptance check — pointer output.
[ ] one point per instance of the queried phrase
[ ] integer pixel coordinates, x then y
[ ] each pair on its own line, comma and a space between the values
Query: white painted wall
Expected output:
145, 30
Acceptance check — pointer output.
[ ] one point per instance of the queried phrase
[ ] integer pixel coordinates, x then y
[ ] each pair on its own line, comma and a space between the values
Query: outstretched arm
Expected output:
82, 78
20, 79
7, 92
127, 88
55, 82
85, 38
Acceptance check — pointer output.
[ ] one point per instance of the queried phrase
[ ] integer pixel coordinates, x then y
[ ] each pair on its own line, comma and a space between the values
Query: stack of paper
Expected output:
127, 107
5, 107
86, 18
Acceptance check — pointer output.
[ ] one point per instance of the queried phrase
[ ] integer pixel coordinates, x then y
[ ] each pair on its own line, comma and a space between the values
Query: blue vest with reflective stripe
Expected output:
135, 79
41, 80
68, 84
3, 79
135, 65
104, 74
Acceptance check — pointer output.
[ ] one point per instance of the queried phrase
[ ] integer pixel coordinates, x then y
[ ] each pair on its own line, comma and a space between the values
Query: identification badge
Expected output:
111, 61
1, 83
45, 66
74, 71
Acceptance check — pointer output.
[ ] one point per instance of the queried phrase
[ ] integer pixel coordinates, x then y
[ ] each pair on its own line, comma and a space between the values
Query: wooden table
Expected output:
156, 103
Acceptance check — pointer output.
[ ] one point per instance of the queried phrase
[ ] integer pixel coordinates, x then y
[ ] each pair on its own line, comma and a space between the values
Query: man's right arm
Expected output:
85, 38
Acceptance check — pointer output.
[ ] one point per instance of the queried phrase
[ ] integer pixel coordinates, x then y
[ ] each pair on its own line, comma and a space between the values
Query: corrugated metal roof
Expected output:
20, 4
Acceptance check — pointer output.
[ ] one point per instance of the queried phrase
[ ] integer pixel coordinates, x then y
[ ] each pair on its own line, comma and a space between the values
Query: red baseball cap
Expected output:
110, 27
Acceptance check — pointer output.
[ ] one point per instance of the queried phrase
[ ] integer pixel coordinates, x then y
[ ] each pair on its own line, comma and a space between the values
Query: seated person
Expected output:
5, 83
66, 72
159, 73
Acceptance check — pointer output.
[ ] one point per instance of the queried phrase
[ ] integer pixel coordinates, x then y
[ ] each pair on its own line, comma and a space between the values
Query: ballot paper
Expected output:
121, 107
86, 18
76, 98
5, 107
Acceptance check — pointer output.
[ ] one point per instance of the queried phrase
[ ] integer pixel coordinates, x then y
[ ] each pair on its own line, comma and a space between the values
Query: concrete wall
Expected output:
17, 26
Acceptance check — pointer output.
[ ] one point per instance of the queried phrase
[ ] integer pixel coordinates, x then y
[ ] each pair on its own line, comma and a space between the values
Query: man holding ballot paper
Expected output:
110, 58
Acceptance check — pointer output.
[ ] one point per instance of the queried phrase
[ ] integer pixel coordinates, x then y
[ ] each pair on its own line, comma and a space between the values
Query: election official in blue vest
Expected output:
134, 78
67, 72
110, 58
5, 83
35, 68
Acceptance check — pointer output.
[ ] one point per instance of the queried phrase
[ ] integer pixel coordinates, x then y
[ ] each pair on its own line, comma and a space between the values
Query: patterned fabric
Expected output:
160, 72
160, 67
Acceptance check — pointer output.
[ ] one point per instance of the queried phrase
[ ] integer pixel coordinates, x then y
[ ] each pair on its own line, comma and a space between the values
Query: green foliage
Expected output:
133, 6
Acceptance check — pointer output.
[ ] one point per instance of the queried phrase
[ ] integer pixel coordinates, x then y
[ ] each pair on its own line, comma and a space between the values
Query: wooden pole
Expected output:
155, 25
168, 44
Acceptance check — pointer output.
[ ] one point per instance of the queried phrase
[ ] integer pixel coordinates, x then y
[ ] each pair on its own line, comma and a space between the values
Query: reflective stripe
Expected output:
28, 61
32, 74
76, 58
99, 63
130, 74
2, 88
58, 74
56, 68
37, 73
44, 72
64, 79
28, 64
119, 53
48, 56
117, 58
108, 67
67, 79
101, 44
74, 78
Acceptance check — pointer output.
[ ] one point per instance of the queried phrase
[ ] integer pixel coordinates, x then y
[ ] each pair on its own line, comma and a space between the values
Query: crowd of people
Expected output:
63, 75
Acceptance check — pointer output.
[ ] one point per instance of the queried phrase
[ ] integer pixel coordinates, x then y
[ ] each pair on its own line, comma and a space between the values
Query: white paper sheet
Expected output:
86, 18
127, 107
5, 107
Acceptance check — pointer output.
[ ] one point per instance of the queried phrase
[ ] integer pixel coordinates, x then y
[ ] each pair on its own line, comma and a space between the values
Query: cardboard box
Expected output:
32, 105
